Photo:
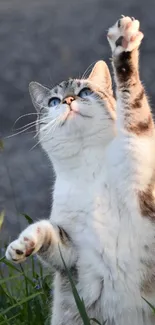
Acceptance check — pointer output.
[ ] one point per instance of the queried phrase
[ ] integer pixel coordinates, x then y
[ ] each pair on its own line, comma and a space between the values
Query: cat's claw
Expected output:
29, 242
125, 36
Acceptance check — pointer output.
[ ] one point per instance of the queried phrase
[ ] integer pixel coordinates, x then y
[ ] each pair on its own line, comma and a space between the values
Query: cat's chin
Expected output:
74, 118
69, 117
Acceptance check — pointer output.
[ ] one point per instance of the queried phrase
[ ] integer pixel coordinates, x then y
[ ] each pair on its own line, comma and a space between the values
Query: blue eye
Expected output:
85, 92
54, 101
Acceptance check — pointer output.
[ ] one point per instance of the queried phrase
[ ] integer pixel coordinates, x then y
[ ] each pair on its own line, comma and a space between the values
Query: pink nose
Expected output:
68, 100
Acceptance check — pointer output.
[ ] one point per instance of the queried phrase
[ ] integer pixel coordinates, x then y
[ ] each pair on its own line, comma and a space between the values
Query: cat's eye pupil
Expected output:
85, 92
54, 101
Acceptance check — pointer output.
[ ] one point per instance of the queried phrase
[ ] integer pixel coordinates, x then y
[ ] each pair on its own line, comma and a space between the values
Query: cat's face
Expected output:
75, 111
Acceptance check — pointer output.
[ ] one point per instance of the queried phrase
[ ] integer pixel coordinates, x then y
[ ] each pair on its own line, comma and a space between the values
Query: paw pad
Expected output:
125, 36
29, 242
19, 252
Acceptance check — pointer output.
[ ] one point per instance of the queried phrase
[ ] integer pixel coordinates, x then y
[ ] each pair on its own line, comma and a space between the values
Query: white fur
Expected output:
95, 201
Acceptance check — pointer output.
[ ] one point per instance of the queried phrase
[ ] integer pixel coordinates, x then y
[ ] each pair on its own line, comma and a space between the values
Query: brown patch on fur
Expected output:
47, 243
126, 65
137, 103
148, 285
29, 252
142, 127
147, 203
45, 246
148, 282
123, 66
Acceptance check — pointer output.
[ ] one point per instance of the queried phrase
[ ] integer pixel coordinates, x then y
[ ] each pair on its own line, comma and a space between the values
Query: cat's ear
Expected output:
38, 94
100, 75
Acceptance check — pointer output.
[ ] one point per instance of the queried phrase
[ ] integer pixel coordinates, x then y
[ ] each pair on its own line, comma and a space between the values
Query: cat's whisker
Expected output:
31, 124
55, 126
57, 120
22, 116
55, 123
44, 127
22, 131
87, 70
32, 131
40, 140
24, 126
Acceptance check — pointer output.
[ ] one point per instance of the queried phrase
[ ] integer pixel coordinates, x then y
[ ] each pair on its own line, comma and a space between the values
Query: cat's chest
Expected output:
79, 200
90, 212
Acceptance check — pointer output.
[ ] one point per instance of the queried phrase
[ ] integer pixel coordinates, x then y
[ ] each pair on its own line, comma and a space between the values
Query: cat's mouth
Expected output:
72, 113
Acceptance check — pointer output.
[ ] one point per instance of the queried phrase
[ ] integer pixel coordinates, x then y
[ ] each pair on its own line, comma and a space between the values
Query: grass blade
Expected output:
9, 319
30, 221
2, 214
79, 302
9, 278
19, 303
3, 260
151, 306
25, 276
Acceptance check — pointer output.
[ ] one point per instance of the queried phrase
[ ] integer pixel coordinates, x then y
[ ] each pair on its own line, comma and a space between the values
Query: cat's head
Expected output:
76, 113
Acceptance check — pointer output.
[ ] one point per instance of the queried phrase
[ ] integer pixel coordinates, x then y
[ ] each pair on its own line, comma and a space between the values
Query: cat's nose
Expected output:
68, 100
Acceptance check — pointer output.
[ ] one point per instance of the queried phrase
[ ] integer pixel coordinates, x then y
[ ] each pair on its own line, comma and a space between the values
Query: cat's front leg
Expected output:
133, 110
46, 240
135, 140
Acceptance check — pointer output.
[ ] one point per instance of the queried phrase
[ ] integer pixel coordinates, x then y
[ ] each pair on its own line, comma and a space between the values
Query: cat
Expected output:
103, 212
75, 124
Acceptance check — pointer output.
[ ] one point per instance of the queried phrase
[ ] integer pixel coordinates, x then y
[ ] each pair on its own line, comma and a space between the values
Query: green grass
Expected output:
25, 290
25, 293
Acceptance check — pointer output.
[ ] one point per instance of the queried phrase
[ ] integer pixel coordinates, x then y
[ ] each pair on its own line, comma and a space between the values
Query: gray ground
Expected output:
48, 41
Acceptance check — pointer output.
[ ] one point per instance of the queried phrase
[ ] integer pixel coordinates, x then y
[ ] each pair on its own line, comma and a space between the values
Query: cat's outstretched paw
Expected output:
125, 36
29, 242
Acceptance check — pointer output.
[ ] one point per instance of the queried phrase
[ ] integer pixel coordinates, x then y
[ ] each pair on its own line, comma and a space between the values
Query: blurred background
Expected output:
49, 41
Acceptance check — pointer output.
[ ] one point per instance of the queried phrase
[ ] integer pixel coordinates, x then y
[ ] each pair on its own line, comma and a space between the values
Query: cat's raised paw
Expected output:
125, 35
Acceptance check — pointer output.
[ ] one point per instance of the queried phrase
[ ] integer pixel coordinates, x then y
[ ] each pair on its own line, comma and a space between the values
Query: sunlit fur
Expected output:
104, 209
65, 134
76, 146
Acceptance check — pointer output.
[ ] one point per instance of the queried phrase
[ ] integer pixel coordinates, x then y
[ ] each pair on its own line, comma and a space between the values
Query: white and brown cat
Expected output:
103, 211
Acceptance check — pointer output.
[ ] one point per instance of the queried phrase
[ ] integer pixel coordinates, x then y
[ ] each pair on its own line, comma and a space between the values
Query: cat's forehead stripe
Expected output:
64, 84
56, 90
70, 84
